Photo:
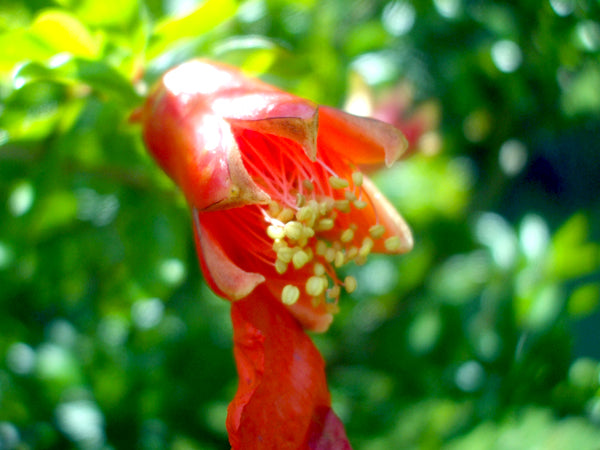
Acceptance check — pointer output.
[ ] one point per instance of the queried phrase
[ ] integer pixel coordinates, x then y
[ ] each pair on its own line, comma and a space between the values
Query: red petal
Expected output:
282, 400
222, 274
360, 139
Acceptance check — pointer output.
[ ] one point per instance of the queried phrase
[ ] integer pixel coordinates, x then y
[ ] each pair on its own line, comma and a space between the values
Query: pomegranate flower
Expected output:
279, 202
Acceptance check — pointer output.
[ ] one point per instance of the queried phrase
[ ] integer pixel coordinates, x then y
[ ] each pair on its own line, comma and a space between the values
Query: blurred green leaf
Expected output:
63, 32
210, 14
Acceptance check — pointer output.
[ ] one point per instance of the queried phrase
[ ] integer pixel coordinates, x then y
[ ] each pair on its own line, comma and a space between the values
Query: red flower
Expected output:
279, 202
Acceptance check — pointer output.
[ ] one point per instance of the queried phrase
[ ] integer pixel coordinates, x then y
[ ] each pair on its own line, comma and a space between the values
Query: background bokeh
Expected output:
486, 336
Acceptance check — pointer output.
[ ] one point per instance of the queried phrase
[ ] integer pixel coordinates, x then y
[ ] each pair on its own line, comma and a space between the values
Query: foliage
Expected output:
485, 336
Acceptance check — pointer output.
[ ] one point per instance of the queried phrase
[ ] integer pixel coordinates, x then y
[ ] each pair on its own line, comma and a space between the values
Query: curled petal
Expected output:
360, 139
388, 216
222, 274
282, 400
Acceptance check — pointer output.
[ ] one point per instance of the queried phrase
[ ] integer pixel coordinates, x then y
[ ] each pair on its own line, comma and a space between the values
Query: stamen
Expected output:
275, 232
350, 284
342, 205
357, 179
350, 195
325, 224
377, 231
334, 292
290, 294
360, 204
280, 267
308, 185
321, 248
300, 200
338, 183
366, 247
300, 259
286, 215
285, 254
347, 235
339, 259
293, 230
315, 286
393, 243
319, 269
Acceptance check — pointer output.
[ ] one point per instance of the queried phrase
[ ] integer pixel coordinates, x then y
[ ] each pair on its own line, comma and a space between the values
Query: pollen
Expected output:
350, 284
319, 269
377, 231
308, 185
357, 179
275, 232
366, 247
339, 259
315, 286
285, 254
290, 294
294, 230
347, 235
392, 244
325, 224
300, 259
342, 205
286, 215
338, 183
280, 267
300, 200
360, 204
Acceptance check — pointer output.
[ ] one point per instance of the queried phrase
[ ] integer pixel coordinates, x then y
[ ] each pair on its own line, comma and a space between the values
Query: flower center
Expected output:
310, 219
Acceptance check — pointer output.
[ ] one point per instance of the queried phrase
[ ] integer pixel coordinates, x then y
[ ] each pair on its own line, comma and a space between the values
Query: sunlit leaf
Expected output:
65, 33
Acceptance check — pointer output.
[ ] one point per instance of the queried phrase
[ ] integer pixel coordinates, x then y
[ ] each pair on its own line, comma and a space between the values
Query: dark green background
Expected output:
484, 337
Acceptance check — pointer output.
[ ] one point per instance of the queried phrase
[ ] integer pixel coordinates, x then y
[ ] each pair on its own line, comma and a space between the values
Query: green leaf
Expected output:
65, 33
96, 74
207, 16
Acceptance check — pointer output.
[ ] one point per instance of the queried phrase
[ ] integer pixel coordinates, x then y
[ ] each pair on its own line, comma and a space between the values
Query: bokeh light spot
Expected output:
507, 56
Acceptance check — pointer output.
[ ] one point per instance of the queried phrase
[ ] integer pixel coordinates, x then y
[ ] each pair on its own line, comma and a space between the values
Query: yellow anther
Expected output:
308, 231
308, 185
321, 248
285, 254
338, 183
293, 230
300, 259
300, 200
334, 292
342, 205
360, 260
275, 232
360, 204
393, 244
366, 247
352, 253
286, 215
290, 294
280, 266
274, 209
350, 284
349, 195
357, 178
326, 206
376, 231
307, 214
325, 224
339, 259
330, 254
277, 244
319, 269
315, 286
347, 235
